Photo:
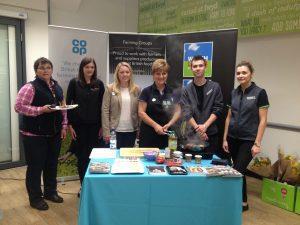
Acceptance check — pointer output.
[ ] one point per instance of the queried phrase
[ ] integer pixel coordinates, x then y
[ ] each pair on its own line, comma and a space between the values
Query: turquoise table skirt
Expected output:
144, 199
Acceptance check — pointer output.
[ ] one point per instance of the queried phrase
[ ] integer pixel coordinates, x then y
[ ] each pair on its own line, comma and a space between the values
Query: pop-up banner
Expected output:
67, 47
139, 50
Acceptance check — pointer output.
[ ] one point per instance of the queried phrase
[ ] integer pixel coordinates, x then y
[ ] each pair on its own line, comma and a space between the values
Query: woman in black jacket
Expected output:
246, 122
85, 121
42, 129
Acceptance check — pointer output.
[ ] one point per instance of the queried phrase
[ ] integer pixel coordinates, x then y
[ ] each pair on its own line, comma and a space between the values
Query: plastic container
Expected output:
150, 155
167, 153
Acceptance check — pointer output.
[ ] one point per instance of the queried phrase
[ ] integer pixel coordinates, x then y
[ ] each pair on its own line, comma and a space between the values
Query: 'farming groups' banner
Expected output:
139, 51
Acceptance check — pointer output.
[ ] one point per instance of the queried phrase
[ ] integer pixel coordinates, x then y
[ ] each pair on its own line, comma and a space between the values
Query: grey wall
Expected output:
103, 15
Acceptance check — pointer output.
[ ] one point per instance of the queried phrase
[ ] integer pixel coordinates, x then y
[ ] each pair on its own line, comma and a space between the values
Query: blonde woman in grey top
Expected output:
120, 107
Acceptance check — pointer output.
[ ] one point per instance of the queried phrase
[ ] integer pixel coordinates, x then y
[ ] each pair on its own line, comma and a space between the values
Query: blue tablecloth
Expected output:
144, 199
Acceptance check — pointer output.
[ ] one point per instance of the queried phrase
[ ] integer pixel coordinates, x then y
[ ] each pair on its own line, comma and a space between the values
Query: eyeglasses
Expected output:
45, 68
241, 73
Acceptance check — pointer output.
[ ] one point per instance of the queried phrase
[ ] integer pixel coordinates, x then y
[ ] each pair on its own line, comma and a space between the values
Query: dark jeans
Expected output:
240, 151
126, 139
41, 154
87, 139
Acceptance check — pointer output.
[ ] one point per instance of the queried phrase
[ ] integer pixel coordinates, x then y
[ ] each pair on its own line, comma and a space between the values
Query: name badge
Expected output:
167, 103
251, 98
210, 91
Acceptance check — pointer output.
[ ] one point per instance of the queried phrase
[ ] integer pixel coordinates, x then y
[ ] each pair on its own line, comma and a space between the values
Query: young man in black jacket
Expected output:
202, 104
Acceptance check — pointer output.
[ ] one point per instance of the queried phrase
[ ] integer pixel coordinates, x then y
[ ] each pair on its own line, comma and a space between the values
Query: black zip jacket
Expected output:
212, 104
89, 100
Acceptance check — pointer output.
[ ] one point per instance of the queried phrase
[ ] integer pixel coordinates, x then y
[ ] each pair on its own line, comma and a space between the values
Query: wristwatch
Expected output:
256, 144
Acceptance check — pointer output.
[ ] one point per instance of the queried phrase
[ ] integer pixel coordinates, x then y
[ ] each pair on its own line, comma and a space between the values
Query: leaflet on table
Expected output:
196, 170
224, 171
103, 153
127, 166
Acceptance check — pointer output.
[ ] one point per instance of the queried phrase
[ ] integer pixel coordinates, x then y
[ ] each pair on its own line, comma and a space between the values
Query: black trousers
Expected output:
126, 139
240, 151
149, 138
41, 154
213, 141
87, 139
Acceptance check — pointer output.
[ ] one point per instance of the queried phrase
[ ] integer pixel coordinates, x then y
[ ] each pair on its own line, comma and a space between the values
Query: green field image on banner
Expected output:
204, 49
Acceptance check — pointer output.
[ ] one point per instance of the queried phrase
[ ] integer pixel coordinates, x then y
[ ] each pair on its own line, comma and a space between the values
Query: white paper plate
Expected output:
67, 107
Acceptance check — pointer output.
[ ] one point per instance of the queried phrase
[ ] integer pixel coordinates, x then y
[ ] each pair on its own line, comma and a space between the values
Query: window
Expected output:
11, 77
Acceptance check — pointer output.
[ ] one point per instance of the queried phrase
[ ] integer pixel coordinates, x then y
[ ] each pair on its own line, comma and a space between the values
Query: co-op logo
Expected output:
79, 46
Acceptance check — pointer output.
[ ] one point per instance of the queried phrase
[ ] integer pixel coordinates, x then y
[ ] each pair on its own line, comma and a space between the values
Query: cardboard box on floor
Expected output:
297, 203
279, 194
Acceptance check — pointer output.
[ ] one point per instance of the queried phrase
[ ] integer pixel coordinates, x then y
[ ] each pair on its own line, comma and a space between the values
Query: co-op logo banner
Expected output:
79, 46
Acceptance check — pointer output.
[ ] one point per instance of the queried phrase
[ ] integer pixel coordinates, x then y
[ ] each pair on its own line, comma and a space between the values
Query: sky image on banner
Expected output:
185, 82
204, 49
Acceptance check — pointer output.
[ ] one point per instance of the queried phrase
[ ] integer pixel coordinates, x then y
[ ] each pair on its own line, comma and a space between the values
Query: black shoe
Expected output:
40, 205
78, 194
245, 207
54, 198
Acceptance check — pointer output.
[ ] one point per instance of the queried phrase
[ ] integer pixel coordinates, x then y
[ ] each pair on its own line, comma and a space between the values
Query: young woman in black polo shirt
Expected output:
158, 108
246, 122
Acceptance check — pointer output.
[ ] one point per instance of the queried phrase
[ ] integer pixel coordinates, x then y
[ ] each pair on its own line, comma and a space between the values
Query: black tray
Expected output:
177, 170
223, 162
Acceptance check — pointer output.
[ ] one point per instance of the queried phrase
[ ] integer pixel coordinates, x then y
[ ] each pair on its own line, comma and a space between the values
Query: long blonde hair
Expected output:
116, 84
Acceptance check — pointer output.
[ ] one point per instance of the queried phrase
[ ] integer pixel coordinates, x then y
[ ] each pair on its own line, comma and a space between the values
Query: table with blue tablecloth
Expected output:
143, 199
